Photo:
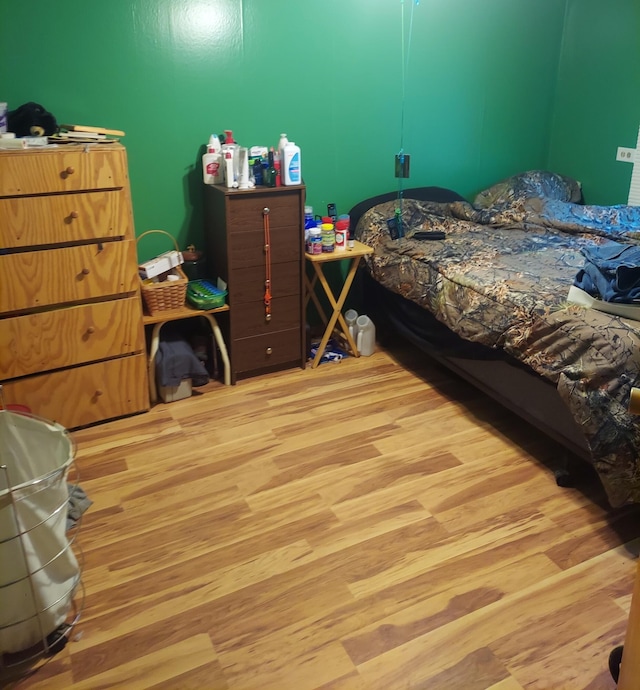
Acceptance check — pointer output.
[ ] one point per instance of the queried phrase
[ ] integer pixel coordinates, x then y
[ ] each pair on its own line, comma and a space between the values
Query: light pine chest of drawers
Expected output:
72, 344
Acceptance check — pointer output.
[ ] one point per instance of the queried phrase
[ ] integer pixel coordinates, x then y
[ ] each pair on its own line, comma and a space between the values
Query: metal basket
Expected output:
40, 573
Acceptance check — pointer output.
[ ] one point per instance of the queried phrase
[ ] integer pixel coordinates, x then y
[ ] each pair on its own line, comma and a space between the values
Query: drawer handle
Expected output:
85, 271
70, 170
269, 350
73, 214
98, 393
267, 317
91, 330
266, 211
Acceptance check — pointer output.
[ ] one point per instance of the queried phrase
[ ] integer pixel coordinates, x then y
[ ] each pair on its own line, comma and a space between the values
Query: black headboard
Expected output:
439, 194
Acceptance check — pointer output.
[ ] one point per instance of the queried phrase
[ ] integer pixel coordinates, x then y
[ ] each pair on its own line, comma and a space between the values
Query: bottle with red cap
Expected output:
342, 232
212, 167
231, 146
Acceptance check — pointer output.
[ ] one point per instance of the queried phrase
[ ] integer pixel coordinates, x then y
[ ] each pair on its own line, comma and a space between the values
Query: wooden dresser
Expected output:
236, 252
72, 342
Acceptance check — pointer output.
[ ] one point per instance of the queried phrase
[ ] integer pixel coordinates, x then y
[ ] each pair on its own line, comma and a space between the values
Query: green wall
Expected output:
597, 98
479, 89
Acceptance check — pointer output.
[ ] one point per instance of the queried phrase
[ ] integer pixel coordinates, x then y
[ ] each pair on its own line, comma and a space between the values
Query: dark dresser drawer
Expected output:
245, 213
249, 318
268, 350
247, 248
248, 283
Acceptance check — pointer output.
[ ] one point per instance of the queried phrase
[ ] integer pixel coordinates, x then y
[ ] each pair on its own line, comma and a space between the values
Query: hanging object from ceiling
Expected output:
402, 160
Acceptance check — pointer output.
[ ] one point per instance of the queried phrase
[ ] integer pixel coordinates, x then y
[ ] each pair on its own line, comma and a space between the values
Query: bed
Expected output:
490, 302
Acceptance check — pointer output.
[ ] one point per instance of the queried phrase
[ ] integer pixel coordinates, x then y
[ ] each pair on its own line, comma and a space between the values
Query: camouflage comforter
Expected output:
501, 278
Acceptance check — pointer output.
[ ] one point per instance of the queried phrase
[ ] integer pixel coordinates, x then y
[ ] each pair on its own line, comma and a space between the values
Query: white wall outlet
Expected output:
625, 154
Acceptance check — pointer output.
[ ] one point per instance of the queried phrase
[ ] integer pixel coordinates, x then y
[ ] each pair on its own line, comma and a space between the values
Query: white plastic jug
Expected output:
351, 316
366, 341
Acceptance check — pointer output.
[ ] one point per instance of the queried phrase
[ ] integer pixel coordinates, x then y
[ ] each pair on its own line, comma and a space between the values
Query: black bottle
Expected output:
258, 172
272, 173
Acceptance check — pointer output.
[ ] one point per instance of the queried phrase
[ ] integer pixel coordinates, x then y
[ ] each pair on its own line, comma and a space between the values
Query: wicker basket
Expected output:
159, 297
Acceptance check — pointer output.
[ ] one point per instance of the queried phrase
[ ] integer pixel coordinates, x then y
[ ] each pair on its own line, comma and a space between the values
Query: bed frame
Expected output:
494, 372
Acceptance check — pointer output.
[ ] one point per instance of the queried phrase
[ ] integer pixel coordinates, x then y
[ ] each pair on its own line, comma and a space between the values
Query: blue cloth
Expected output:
615, 222
611, 272
176, 361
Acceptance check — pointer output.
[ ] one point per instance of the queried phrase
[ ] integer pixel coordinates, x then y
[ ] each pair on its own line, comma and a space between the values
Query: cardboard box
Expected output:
173, 393
161, 264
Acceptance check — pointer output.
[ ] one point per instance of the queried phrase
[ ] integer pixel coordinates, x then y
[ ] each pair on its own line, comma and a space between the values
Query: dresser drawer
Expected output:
70, 169
246, 249
68, 274
41, 220
63, 337
86, 394
249, 318
268, 350
248, 283
246, 213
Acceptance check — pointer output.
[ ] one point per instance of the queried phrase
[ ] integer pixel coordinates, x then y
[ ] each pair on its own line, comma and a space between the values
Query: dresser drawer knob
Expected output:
266, 248
98, 393
266, 211
73, 214
267, 317
85, 271
70, 170
269, 350
91, 330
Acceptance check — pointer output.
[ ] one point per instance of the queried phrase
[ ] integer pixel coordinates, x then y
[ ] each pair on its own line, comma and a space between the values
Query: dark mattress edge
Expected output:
494, 372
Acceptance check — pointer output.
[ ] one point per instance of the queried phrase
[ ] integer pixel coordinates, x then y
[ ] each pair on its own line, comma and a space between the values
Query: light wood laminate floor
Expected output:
369, 525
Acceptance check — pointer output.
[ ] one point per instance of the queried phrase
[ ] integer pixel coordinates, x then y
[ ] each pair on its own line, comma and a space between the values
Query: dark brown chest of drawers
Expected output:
236, 252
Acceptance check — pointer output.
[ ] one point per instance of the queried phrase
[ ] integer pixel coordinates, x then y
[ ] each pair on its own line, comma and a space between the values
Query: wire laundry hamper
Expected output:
40, 574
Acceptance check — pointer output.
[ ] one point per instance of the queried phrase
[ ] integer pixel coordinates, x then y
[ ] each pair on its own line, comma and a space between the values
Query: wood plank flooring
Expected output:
372, 524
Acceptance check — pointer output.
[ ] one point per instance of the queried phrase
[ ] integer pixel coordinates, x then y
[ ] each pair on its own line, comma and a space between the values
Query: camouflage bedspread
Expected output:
501, 278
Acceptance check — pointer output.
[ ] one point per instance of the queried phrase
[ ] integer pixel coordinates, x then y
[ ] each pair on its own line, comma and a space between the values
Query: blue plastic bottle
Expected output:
309, 223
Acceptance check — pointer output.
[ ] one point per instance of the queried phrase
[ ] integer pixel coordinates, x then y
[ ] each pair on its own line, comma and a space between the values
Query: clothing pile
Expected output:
611, 272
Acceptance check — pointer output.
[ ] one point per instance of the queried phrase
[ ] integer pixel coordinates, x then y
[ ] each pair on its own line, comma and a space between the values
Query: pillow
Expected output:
532, 184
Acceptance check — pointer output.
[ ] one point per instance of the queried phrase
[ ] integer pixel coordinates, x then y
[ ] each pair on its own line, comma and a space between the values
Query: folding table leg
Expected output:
337, 308
155, 344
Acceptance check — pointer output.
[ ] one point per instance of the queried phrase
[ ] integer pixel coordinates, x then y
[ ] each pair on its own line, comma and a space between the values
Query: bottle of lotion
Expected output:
281, 144
229, 174
231, 145
212, 170
292, 172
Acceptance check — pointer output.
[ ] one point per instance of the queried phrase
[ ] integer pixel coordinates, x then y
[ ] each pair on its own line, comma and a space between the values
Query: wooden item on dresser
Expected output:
71, 336
237, 223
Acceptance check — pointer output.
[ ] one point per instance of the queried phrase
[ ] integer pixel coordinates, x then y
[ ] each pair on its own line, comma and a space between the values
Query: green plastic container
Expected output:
203, 295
